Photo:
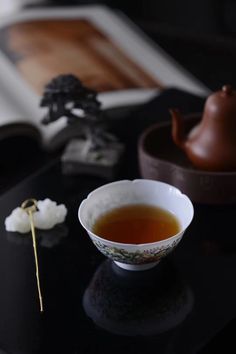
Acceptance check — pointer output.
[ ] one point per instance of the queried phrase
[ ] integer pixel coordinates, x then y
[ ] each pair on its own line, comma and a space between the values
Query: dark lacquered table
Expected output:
91, 305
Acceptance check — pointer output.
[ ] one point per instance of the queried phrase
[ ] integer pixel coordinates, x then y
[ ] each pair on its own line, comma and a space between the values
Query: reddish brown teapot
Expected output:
211, 144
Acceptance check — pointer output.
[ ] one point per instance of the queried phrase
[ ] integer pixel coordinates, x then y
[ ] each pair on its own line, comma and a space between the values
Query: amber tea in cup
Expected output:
137, 224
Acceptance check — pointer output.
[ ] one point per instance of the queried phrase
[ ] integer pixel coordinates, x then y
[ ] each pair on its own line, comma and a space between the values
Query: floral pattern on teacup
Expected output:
136, 257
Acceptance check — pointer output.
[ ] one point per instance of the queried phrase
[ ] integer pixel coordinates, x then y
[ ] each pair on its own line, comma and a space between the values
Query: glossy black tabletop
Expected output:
91, 305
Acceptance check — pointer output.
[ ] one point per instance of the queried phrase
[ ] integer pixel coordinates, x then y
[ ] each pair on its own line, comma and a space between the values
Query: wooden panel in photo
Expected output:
43, 49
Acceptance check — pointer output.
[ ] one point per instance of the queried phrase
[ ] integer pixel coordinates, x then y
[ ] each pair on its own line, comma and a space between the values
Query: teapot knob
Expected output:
227, 90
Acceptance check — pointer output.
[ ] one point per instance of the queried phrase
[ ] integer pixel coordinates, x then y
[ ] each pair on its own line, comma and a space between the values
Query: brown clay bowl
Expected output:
160, 159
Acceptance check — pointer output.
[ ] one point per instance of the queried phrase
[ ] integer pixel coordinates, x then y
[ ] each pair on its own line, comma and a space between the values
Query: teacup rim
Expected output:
133, 181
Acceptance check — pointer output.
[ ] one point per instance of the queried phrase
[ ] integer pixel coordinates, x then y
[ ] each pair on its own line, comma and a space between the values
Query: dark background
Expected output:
202, 16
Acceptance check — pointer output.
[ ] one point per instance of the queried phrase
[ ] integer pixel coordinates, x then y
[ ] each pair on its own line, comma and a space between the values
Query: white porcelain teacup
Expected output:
140, 191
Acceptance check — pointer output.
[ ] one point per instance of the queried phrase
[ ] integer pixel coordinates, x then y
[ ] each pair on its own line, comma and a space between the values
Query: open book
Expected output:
102, 47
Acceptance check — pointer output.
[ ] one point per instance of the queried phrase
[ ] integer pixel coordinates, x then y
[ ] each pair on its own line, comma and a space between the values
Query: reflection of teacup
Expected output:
128, 303
135, 256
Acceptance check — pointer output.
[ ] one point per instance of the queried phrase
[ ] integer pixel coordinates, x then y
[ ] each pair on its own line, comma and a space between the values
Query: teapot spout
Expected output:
177, 128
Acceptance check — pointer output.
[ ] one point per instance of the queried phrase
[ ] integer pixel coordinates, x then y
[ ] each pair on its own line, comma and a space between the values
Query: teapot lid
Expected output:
222, 102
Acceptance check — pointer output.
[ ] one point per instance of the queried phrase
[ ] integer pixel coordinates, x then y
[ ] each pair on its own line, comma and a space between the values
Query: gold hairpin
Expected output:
30, 206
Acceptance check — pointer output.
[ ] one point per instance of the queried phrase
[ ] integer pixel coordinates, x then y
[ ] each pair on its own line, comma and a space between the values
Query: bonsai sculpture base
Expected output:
103, 162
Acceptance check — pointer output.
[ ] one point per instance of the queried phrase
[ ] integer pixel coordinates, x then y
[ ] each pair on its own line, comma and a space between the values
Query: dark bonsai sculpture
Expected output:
66, 96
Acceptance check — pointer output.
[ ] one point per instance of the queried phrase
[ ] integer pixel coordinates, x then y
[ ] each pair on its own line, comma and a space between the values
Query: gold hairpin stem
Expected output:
30, 206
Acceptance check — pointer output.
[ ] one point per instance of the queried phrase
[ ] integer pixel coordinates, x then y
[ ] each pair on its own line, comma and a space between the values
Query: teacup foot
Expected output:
136, 267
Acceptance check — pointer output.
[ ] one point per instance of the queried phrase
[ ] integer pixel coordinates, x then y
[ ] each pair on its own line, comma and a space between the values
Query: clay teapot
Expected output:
211, 144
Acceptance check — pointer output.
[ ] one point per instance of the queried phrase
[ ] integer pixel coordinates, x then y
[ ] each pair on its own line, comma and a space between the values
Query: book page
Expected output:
8, 110
106, 52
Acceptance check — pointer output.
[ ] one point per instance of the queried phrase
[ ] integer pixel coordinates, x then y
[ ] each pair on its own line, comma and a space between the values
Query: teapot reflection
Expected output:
137, 303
